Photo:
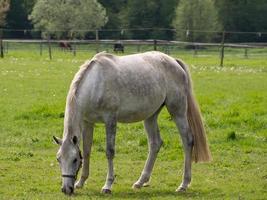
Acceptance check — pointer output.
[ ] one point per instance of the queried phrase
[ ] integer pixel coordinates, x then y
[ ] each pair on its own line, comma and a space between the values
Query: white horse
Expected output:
111, 89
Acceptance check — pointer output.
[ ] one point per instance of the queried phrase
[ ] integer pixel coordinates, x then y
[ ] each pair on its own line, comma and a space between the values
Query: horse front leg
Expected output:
110, 152
87, 134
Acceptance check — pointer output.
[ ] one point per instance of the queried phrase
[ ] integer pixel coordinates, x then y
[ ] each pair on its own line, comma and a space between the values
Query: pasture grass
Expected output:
233, 101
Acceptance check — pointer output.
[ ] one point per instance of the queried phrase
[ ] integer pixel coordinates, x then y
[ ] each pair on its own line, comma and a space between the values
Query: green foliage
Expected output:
151, 14
4, 7
17, 17
243, 15
196, 15
65, 18
116, 10
202, 15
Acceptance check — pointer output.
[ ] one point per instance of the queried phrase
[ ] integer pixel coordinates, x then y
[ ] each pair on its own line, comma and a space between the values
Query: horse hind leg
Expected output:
155, 143
178, 111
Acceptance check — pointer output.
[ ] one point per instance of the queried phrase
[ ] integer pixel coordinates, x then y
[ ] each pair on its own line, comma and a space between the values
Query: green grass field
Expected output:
233, 101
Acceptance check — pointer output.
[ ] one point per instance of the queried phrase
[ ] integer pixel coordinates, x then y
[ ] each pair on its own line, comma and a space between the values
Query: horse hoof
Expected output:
136, 186
78, 185
181, 189
147, 184
106, 191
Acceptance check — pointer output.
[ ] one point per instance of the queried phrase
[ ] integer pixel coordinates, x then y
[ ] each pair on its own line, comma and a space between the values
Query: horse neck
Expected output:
72, 123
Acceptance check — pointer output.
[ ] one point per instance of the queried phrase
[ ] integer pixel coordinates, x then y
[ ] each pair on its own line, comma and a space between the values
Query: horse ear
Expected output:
75, 139
57, 140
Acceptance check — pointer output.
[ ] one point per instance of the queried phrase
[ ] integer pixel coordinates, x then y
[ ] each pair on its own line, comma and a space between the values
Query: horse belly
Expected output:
136, 108
136, 116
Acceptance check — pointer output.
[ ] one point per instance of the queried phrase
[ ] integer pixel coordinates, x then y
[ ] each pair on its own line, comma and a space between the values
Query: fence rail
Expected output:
142, 42
5, 43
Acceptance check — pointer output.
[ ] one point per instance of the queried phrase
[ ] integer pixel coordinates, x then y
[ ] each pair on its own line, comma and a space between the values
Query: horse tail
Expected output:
201, 152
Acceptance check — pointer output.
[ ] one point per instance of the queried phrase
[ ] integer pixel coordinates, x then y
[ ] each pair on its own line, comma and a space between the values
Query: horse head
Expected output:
70, 161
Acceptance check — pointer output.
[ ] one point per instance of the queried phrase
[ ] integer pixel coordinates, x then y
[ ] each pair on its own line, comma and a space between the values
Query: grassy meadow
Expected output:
233, 101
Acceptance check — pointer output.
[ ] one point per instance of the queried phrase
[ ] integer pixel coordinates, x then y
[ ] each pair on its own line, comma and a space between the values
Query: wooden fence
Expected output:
4, 45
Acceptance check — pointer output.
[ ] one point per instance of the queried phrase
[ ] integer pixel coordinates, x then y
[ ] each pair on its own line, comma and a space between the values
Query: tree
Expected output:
17, 18
68, 18
198, 15
244, 16
155, 14
115, 10
4, 7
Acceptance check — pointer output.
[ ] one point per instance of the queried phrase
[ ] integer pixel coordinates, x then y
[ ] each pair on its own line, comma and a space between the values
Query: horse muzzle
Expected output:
68, 190
68, 184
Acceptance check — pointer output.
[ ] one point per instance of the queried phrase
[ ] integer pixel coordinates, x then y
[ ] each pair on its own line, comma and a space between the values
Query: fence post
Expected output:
74, 48
155, 45
246, 52
1, 44
41, 48
222, 48
1, 48
195, 50
49, 48
6, 49
72, 43
97, 40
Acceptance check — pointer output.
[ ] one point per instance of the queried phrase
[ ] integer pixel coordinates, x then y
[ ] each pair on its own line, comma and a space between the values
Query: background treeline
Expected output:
189, 20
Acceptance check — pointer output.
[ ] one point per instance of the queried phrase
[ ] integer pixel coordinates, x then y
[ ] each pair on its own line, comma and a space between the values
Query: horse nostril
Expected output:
71, 189
63, 190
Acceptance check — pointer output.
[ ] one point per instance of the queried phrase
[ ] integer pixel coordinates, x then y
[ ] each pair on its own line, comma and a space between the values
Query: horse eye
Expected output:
58, 160
75, 160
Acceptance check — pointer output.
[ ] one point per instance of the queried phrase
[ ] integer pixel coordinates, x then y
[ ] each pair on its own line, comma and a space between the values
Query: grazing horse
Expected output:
65, 45
118, 47
111, 89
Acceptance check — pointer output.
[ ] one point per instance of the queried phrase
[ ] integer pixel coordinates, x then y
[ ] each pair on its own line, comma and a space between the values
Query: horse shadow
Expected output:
152, 194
